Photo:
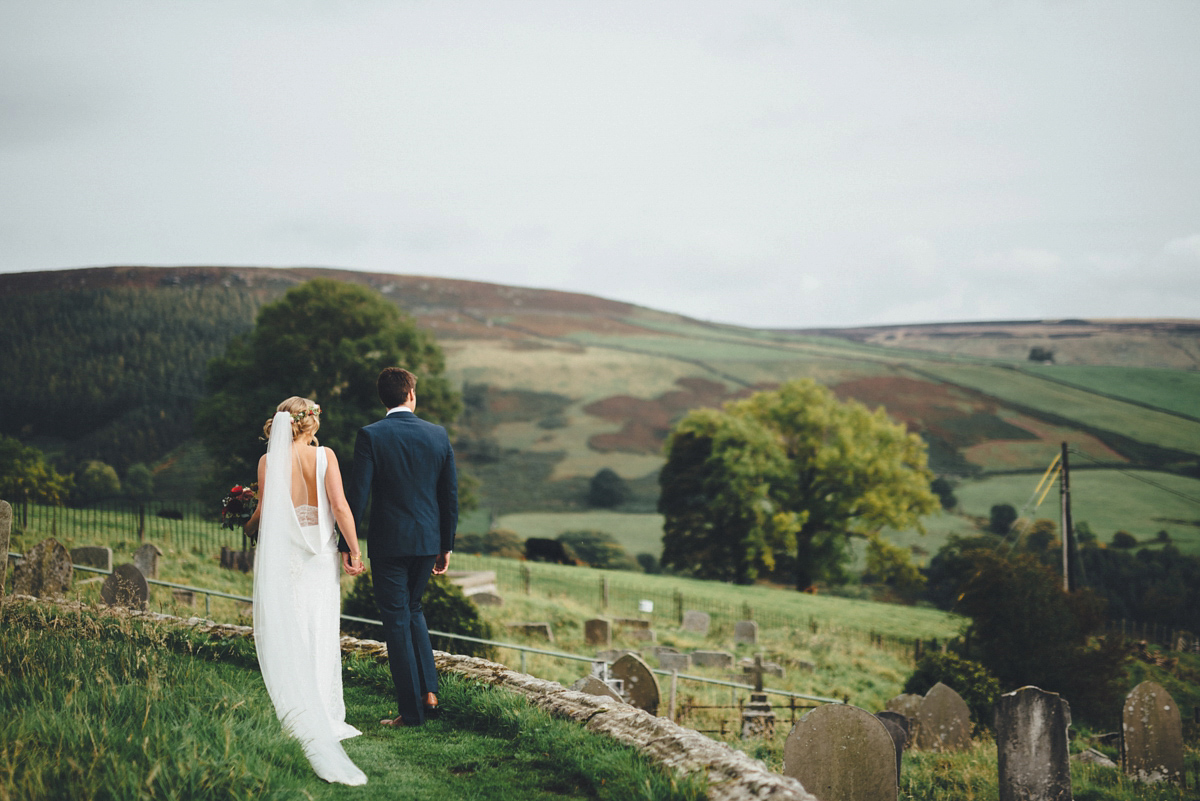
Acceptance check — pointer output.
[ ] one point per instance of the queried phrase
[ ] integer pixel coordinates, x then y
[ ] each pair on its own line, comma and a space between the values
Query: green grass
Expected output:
1107, 500
1143, 425
637, 533
1172, 390
105, 707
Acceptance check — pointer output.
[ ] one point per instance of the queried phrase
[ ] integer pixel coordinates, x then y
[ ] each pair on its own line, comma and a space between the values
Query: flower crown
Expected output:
311, 411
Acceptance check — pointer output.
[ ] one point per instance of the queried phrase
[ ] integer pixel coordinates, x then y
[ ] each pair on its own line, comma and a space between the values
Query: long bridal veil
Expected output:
296, 606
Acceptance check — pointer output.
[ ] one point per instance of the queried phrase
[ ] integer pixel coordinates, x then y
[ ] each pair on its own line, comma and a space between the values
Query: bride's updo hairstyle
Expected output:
306, 418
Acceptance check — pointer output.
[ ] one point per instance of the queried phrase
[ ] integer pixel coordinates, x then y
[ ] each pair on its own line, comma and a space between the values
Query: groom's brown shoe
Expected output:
395, 723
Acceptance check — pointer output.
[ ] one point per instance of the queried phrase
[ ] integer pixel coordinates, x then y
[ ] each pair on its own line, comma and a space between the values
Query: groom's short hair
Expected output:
394, 384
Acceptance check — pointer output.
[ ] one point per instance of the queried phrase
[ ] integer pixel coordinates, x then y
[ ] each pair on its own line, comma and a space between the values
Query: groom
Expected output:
406, 466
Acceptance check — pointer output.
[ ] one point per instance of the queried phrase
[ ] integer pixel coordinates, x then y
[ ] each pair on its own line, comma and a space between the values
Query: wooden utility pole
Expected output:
1068, 532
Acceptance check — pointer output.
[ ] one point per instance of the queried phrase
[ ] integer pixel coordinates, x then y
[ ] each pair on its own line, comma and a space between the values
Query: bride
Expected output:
296, 592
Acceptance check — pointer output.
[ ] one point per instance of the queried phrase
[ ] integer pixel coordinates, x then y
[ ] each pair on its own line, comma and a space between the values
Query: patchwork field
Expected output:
558, 386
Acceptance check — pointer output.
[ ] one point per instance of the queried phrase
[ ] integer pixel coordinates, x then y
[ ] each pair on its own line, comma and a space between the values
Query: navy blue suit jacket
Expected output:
406, 466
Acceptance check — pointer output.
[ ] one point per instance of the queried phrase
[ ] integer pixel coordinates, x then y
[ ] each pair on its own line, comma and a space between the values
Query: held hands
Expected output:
352, 564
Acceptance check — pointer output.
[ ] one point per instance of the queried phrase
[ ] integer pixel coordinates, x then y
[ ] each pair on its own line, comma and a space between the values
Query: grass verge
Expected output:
103, 706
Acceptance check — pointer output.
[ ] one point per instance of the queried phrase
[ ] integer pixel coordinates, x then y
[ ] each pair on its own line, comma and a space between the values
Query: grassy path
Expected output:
105, 707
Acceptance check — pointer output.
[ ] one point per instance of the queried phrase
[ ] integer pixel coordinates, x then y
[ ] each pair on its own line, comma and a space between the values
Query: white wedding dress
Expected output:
296, 608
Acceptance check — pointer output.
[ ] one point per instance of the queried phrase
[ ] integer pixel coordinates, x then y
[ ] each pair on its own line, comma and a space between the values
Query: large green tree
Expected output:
325, 340
25, 475
786, 477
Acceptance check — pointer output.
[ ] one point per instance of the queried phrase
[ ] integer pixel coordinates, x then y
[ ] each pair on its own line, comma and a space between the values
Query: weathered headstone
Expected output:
669, 661
643, 635
98, 556
899, 720
897, 726
758, 718
842, 753
909, 705
1152, 735
184, 597
697, 622
541, 631
945, 721
6, 518
749, 666
125, 586
45, 572
631, 623
641, 688
745, 632
659, 650
474, 581
613, 654
805, 666
715, 659
485, 598
145, 559
597, 631
237, 560
595, 686
1032, 753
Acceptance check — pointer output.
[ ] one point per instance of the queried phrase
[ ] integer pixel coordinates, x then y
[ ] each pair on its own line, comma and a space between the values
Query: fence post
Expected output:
528, 579
141, 522
678, 608
671, 702
604, 592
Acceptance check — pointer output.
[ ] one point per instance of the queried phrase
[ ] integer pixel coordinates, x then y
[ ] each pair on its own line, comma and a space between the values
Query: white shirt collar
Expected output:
400, 409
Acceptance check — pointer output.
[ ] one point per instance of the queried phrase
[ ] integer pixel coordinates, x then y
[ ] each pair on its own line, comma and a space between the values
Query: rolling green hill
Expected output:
561, 385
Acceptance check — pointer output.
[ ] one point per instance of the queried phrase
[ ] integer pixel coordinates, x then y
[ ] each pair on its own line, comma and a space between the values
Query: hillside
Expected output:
559, 385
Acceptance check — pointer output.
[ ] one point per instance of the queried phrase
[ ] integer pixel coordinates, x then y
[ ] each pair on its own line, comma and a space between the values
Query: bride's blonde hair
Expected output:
306, 418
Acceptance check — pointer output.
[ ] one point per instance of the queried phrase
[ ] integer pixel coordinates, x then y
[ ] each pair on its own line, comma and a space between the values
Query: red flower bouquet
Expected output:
239, 505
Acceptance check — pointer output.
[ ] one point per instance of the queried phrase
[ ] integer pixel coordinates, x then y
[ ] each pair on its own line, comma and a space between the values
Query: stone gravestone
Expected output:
897, 726
641, 688
908, 705
1033, 757
697, 622
145, 559
643, 635
98, 556
45, 572
745, 631
597, 631
945, 721
485, 598
613, 654
541, 631
659, 650
1152, 735
842, 753
125, 586
593, 685
717, 659
6, 518
669, 661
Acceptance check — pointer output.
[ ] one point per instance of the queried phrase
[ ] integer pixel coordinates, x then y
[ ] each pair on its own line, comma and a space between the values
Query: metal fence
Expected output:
523, 650
190, 525
614, 595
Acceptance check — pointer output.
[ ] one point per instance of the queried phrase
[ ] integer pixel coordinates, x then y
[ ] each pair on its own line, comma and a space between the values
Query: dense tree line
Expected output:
112, 374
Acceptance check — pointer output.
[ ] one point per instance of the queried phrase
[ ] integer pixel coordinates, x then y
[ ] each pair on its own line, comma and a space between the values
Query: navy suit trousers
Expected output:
399, 584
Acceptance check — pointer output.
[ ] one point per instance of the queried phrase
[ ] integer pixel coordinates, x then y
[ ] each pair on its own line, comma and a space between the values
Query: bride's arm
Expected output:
252, 524
340, 506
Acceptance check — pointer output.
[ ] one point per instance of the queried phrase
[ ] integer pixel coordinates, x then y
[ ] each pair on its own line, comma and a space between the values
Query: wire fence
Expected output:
616, 596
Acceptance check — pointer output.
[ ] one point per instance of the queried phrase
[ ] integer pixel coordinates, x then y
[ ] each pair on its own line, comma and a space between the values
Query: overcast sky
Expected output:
786, 164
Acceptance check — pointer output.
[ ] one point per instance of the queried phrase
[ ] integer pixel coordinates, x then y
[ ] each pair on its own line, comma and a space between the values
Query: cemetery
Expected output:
854, 745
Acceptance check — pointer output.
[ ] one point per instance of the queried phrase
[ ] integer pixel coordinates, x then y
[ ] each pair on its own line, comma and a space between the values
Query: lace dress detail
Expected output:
307, 515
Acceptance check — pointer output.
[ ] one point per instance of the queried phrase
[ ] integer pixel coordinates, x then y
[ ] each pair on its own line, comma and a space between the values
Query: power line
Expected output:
1136, 477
